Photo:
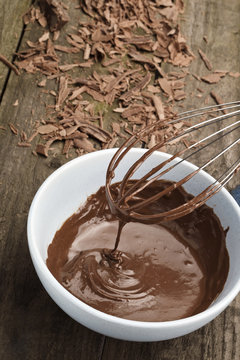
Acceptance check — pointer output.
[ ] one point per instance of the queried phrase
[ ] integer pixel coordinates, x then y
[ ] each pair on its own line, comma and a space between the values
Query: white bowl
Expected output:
61, 195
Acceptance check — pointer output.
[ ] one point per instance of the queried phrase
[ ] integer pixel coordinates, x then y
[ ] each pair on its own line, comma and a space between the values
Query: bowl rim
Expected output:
40, 265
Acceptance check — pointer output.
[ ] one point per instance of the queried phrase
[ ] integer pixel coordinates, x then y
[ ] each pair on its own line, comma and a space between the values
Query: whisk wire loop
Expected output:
126, 193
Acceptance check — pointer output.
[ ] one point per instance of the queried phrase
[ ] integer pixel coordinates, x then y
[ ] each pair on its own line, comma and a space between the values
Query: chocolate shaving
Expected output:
46, 129
43, 149
235, 75
132, 110
109, 62
205, 39
42, 83
44, 37
152, 141
132, 62
112, 84
55, 14
213, 78
63, 91
96, 132
159, 107
5, 61
67, 146
14, 130
165, 86
77, 92
23, 136
68, 67
87, 52
136, 89
205, 60
96, 95
84, 144
23, 144
89, 83
157, 103
218, 100
179, 95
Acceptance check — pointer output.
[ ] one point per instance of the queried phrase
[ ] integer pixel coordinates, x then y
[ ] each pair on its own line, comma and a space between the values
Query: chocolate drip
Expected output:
120, 227
157, 272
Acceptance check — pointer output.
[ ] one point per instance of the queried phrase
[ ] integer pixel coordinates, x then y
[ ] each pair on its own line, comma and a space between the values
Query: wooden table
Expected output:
31, 325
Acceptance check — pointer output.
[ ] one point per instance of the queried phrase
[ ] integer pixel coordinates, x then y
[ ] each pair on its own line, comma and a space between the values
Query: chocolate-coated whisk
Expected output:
120, 205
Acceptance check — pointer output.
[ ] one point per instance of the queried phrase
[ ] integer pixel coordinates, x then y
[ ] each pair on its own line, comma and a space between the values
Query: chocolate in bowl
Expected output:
59, 197
159, 272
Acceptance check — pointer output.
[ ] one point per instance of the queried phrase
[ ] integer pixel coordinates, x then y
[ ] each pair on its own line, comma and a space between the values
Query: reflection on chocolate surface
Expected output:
158, 272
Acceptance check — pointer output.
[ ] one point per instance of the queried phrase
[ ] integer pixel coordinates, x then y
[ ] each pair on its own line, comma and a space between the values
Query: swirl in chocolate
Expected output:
157, 272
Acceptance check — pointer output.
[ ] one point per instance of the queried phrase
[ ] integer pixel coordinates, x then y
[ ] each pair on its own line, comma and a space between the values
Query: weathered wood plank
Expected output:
217, 340
217, 21
31, 325
11, 27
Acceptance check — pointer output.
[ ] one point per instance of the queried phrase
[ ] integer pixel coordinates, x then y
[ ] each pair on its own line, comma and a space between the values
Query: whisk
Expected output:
119, 204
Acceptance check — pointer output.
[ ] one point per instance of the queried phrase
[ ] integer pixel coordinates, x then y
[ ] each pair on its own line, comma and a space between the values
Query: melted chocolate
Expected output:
157, 272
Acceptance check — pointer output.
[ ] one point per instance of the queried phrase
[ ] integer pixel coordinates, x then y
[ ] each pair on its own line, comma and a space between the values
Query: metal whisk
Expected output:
120, 204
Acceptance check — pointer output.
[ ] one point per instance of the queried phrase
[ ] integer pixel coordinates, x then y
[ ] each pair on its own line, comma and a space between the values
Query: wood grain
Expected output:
217, 20
31, 325
11, 27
